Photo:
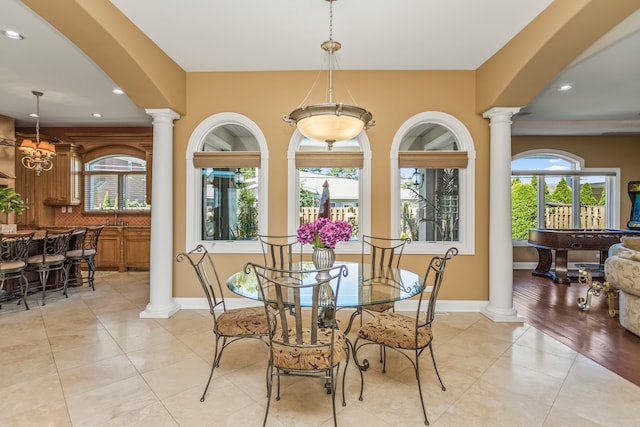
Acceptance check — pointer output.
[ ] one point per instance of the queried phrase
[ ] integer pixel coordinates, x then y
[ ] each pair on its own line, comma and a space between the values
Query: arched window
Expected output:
115, 182
432, 184
227, 159
347, 171
553, 189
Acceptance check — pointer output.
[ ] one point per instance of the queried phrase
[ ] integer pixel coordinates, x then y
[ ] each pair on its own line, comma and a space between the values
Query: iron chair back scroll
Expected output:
301, 344
381, 253
84, 250
51, 259
229, 326
13, 256
408, 335
281, 252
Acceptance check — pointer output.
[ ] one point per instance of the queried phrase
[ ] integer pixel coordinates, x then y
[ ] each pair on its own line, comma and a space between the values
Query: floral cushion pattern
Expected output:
379, 308
308, 358
623, 273
395, 330
244, 321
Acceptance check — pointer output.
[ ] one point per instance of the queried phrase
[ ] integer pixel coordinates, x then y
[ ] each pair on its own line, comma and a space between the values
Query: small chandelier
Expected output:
39, 155
330, 122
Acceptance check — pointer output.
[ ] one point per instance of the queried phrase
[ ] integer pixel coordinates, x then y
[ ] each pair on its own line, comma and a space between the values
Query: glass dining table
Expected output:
364, 285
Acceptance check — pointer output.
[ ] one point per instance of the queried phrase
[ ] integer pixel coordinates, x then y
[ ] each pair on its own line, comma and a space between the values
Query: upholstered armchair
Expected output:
622, 271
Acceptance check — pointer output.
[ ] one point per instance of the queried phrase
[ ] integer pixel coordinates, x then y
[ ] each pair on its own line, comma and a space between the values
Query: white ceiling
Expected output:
244, 35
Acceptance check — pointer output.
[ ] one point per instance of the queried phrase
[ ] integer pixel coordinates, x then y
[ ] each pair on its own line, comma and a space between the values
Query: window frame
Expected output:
612, 185
466, 233
120, 176
194, 185
364, 203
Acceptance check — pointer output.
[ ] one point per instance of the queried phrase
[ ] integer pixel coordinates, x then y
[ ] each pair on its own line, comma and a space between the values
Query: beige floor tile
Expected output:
153, 415
110, 402
83, 379
178, 377
34, 395
88, 354
26, 370
223, 399
160, 355
119, 370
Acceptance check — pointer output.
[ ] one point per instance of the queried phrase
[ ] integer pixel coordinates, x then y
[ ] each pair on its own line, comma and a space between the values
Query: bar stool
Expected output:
13, 254
51, 258
84, 248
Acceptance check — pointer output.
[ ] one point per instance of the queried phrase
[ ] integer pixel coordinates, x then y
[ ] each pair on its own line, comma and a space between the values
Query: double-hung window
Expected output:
116, 182
432, 184
345, 170
226, 198
552, 189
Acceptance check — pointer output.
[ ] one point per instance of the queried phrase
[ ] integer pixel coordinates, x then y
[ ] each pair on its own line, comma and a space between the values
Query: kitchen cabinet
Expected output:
137, 246
122, 248
108, 254
63, 183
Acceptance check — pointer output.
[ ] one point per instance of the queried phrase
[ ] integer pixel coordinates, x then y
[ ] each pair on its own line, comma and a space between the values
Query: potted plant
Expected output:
10, 201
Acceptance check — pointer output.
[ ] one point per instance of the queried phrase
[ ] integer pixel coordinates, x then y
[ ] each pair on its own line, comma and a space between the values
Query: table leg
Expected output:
544, 263
561, 267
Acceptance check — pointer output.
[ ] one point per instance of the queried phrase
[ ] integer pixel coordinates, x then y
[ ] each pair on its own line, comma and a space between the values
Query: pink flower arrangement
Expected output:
324, 233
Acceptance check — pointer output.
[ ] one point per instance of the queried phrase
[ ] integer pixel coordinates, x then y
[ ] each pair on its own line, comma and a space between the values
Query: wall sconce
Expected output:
417, 178
238, 177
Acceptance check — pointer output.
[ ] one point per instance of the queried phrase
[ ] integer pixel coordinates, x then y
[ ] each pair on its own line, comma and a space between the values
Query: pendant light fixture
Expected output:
333, 121
38, 155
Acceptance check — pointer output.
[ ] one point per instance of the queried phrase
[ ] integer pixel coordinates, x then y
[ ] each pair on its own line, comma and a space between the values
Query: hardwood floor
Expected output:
553, 309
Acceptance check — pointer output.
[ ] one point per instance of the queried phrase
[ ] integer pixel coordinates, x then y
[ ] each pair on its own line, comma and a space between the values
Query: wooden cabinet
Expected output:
109, 255
122, 248
137, 247
63, 183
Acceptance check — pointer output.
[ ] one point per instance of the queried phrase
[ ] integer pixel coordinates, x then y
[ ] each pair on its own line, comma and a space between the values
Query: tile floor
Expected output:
91, 361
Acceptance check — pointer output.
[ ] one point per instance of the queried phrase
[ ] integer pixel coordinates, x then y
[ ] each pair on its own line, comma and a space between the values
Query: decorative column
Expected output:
161, 302
500, 308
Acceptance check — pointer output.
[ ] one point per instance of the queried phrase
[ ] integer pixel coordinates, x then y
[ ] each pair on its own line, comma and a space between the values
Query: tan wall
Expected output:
608, 151
393, 97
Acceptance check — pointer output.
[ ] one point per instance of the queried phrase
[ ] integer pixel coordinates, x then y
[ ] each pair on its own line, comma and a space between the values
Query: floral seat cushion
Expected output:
395, 330
244, 321
379, 308
316, 357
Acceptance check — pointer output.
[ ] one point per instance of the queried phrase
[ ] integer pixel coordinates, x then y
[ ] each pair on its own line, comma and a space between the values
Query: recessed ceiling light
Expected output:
14, 35
34, 115
565, 87
118, 91
97, 115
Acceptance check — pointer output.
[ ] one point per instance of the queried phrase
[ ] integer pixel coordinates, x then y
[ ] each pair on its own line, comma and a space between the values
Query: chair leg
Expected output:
216, 361
436, 368
91, 273
417, 367
269, 386
44, 276
24, 293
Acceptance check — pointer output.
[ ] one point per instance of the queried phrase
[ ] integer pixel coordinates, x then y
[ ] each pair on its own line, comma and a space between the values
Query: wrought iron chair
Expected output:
13, 256
51, 259
408, 335
381, 253
84, 249
300, 345
228, 325
280, 251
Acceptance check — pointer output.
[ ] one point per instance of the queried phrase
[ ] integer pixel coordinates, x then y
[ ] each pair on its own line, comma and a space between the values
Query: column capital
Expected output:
497, 112
162, 113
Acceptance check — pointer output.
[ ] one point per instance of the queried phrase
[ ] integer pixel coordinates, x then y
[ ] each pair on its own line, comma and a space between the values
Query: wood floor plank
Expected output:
553, 309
